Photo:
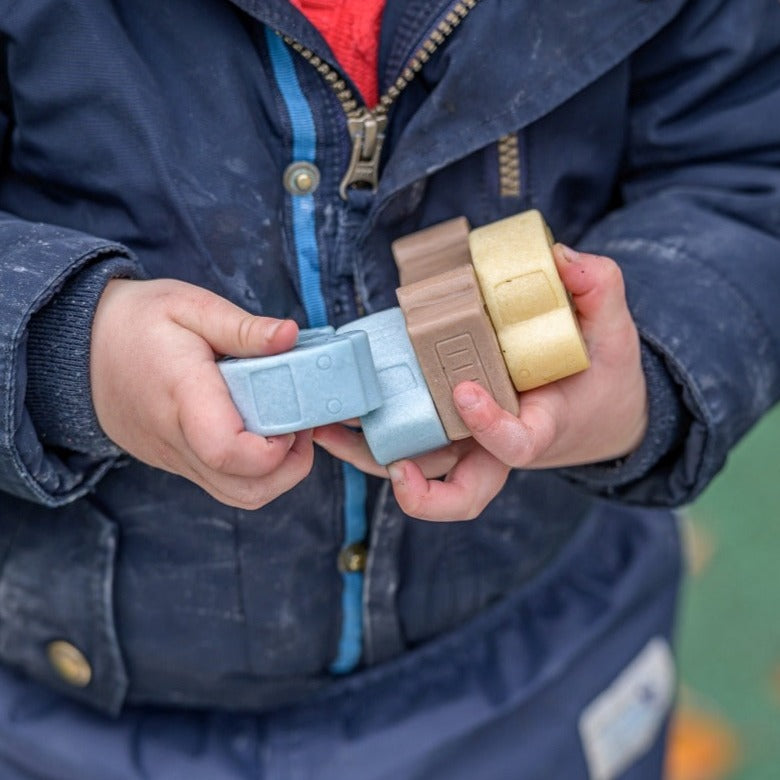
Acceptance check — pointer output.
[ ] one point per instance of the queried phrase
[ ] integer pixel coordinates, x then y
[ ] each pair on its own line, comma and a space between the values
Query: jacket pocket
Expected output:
568, 676
56, 590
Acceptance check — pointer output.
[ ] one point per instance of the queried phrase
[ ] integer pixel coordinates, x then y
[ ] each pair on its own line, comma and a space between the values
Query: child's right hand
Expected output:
596, 415
159, 395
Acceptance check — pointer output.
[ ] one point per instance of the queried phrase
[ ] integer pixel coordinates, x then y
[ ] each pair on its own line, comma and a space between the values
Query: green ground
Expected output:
729, 636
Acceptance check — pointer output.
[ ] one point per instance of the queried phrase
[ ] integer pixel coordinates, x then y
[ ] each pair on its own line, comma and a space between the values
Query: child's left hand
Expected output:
596, 415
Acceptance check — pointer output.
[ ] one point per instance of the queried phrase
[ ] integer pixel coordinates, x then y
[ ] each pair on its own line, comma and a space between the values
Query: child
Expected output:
182, 598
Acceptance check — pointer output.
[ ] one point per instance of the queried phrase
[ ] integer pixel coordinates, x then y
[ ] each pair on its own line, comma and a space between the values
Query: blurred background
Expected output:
728, 722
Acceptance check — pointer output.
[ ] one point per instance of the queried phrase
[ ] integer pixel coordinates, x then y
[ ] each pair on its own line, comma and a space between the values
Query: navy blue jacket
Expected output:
149, 139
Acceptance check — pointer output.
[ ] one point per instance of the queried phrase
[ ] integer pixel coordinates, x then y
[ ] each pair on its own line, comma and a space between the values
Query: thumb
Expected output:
229, 329
595, 284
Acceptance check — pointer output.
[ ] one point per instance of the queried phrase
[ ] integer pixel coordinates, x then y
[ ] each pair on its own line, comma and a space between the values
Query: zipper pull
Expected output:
367, 131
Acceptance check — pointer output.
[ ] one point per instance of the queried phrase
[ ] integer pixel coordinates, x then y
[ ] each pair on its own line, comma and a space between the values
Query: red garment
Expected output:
351, 28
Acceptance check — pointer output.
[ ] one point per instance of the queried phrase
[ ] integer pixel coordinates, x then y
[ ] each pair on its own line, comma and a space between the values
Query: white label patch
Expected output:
623, 721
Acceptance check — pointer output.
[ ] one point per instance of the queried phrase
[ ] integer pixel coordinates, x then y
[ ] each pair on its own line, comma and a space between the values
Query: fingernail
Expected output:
396, 472
281, 439
274, 329
467, 398
569, 254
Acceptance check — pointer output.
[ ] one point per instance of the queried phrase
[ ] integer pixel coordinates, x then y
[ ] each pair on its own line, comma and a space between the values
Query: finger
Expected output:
350, 446
468, 489
440, 462
229, 329
595, 283
254, 492
214, 431
516, 442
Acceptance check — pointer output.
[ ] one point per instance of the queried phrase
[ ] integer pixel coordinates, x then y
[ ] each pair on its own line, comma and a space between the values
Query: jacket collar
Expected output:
512, 62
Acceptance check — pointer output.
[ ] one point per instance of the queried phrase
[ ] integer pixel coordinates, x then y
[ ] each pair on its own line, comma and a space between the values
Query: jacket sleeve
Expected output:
698, 237
51, 448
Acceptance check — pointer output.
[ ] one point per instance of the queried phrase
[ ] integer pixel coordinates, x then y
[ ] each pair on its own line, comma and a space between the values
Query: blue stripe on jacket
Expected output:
304, 145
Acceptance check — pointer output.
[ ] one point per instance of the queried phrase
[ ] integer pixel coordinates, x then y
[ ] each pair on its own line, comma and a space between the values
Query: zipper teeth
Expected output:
331, 76
509, 165
427, 49
438, 36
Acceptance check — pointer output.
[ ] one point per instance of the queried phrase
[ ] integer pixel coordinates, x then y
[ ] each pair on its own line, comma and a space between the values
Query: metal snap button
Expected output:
301, 178
353, 557
69, 663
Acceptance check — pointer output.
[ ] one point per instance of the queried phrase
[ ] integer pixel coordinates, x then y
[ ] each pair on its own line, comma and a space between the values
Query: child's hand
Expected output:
592, 416
159, 395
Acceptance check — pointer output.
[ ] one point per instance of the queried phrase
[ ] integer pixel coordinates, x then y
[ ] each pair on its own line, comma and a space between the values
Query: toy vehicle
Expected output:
486, 305
455, 341
327, 377
407, 423
527, 302
366, 369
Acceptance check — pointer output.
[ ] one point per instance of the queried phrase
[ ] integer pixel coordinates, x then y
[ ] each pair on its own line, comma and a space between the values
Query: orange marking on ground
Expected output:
702, 746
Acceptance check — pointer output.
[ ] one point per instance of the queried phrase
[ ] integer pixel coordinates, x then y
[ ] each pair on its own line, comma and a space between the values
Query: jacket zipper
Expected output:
509, 166
367, 126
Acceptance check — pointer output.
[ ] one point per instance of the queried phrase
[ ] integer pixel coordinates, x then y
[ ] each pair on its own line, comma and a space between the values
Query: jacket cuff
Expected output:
40, 261
700, 291
667, 425
59, 394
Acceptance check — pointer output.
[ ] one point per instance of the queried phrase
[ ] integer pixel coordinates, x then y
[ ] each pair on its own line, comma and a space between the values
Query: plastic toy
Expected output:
432, 251
406, 424
527, 302
454, 341
327, 377
330, 376
485, 304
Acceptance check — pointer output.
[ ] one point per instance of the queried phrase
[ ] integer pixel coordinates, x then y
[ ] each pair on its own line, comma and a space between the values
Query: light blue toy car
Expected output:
325, 378
365, 369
